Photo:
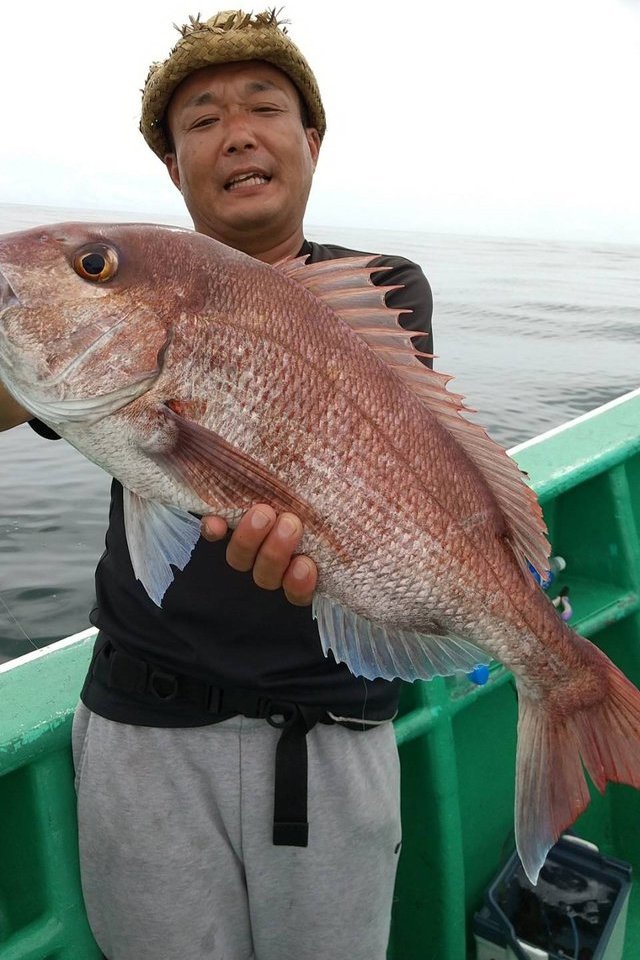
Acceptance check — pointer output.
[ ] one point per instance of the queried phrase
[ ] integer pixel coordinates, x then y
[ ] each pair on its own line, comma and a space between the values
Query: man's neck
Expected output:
263, 247
271, 253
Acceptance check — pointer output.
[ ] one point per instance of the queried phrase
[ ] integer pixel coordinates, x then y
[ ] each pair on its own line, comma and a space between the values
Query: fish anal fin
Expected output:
551, 788
345, 285
372, 650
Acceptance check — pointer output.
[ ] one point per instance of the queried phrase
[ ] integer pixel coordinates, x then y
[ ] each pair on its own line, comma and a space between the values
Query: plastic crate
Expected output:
577, 910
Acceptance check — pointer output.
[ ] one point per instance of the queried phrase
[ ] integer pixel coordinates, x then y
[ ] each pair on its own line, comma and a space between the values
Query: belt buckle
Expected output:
288, 712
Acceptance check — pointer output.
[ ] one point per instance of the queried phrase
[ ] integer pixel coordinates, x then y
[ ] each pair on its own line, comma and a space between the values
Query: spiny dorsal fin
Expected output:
345, 285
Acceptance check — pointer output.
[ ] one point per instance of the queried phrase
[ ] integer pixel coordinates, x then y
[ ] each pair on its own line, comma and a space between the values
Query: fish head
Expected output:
84, 316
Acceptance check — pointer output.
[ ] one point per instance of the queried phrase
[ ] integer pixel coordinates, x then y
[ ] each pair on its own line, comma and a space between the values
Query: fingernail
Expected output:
260, 519
287, 527
300, 569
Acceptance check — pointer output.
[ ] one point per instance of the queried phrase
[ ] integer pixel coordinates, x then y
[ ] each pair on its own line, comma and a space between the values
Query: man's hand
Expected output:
266, 541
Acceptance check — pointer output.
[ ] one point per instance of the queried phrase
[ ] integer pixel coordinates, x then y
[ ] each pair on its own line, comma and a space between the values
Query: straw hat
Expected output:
228, 36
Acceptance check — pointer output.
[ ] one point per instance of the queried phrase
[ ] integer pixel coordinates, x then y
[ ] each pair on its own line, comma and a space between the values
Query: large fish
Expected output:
206, 381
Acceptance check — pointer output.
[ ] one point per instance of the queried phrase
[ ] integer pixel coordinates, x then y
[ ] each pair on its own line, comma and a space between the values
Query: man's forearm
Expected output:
11, 413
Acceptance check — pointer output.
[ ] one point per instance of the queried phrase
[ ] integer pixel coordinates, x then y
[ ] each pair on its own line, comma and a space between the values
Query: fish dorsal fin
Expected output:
345, 285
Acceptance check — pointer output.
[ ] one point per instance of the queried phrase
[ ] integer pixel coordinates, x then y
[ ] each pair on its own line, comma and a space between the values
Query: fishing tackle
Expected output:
562, 605
556, 566
479, 675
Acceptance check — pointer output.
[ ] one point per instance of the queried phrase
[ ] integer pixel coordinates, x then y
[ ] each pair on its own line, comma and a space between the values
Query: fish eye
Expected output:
96, 263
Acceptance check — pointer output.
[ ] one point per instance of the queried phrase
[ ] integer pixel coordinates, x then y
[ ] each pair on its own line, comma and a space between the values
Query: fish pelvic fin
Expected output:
345, 285
372, 650
159, 537
551, 789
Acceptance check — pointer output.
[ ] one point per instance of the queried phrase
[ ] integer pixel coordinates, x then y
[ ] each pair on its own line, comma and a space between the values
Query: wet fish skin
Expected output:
207, 381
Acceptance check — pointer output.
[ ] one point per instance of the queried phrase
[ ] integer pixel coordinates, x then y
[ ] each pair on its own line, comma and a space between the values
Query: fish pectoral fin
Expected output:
159, 537
221, 474
371, 650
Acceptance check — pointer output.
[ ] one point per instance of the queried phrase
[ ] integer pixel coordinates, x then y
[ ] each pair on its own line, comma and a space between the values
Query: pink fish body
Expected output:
205, 381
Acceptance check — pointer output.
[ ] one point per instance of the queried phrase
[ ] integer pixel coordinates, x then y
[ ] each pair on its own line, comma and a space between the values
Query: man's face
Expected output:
242, 158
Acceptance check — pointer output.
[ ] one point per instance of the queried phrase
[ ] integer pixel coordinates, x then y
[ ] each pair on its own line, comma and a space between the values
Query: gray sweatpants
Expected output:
176, 851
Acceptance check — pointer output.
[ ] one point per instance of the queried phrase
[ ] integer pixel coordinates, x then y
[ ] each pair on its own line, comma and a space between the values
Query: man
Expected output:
238, 792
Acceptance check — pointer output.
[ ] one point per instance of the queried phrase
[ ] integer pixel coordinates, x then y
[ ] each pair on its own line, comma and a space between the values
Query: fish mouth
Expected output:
8, 296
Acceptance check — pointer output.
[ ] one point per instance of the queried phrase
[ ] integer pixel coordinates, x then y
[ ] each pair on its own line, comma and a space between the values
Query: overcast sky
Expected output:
480, 116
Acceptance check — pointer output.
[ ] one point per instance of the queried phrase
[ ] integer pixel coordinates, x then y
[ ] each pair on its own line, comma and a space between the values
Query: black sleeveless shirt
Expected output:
215, 624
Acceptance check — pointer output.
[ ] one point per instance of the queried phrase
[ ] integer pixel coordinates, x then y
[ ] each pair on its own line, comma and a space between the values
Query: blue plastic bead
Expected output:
479, 674
544, 583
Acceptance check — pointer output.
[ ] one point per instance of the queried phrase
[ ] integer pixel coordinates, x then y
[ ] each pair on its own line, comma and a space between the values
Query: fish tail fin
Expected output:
551, 789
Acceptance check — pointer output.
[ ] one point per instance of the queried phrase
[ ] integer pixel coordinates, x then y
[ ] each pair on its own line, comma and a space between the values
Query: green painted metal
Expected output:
458, 809
41, 911
457, 741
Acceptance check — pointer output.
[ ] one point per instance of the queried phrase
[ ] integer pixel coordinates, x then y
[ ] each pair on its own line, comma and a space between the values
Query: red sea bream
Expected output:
205, 381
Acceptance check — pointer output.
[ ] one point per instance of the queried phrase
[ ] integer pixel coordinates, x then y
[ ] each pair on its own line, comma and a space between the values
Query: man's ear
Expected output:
171, 163
313, 139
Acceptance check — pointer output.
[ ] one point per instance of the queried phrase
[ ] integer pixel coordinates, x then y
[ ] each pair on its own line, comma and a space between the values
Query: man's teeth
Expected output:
249, 180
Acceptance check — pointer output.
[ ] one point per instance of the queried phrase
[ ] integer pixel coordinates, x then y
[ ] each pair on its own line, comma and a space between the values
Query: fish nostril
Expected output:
8, 297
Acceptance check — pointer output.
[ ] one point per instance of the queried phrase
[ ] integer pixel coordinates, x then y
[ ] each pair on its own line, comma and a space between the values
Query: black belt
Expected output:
119, 671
